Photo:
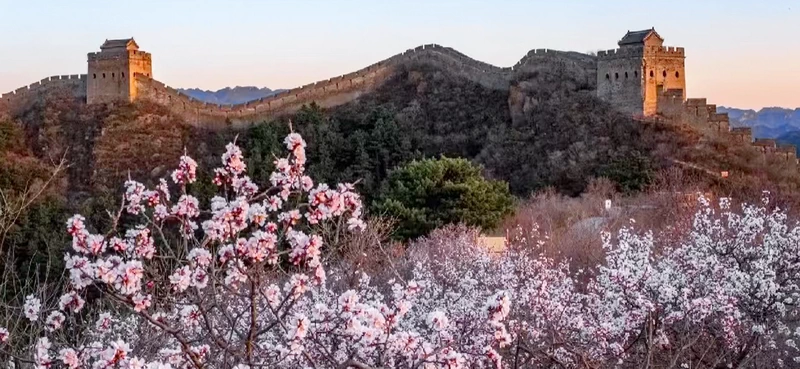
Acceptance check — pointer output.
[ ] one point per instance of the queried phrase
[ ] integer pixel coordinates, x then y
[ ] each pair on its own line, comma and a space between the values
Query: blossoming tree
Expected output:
241, 285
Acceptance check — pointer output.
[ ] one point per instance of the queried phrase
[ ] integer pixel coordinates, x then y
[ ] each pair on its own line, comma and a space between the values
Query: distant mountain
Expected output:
767, 122
236, 95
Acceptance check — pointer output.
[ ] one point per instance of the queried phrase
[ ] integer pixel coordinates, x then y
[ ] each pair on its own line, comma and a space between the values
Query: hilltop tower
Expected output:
112, 71
633, 76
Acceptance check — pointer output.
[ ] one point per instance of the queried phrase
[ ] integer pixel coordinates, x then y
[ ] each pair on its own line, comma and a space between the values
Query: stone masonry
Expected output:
112, 71
642, 78
632, 76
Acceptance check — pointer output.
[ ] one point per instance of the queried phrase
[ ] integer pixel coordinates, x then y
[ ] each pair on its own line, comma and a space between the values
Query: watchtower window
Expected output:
664, 74
651, 73
94, 76
616, 75
112, 75
607, 76
104, 75
626, 75
677, 75
635, 74
122, 74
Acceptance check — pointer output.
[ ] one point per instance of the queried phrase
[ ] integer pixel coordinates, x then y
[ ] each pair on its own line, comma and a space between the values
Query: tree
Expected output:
426, 194
241, 284
721, 294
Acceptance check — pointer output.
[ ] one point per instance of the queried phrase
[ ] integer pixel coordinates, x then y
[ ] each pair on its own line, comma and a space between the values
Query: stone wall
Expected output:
340, 90
111, 74
632, 78
699, 113
128, 75
15, 101
664, 70
620, 79
582, 67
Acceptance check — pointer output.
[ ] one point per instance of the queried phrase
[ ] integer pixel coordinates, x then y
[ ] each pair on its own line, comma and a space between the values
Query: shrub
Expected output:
426, 194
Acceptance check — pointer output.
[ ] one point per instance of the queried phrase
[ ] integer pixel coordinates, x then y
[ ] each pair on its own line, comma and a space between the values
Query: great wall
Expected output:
668, 103
348, 87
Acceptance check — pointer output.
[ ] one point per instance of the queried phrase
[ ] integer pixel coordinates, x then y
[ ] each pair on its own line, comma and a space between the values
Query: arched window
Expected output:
113, 75
122, 74
635, 74
626, 75
651, 73
616, 75
94, 76
104, 75
607, 76
664, 73
677, 75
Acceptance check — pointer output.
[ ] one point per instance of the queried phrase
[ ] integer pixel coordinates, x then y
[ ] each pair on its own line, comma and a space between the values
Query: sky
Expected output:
739, 53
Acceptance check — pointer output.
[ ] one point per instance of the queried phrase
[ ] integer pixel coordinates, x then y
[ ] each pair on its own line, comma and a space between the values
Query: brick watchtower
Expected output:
112, 71
633, 76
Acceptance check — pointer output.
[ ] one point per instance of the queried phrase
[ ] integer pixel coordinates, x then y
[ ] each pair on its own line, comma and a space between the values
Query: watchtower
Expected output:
112, 71
633, 76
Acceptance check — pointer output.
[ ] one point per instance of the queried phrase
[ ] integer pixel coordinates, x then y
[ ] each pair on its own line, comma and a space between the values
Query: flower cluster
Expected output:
221, 278
250, 287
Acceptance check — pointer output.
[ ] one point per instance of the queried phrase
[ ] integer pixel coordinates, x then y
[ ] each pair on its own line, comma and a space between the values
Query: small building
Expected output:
633, 76
112, 71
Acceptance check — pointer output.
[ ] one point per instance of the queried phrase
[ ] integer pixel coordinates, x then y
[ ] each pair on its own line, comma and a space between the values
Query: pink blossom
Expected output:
187, 206
136, 363
181, 279
141, 302
438, 320
71, 301
4, 335
70, 358
103, 322
186, 172
163, 189
298, 327
233, 160
200, 257
54, 321
134, 195
31, 308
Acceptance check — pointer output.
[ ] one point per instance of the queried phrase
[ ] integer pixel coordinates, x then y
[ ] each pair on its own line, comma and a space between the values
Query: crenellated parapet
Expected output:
620, 53
665, 51
120, 71
742, 134
765, 145
345, 88
699, 113
787, 152
13, 101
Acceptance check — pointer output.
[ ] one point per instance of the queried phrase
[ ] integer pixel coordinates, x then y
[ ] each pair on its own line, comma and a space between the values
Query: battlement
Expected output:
625, 52
787, 152
765, 142
666, 51
131, 54
696, 102
343, 88
49, 81
21, 98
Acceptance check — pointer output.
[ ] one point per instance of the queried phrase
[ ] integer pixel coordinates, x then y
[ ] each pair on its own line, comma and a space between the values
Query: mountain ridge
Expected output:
767, 122
230, 95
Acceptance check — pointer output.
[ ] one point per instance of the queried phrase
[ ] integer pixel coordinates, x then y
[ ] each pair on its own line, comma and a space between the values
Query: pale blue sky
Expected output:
739, 53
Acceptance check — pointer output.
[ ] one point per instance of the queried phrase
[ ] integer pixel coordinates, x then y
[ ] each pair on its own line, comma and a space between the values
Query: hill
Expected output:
228, 95
543, 127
